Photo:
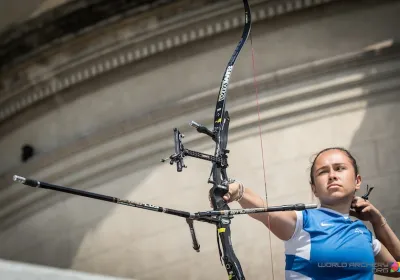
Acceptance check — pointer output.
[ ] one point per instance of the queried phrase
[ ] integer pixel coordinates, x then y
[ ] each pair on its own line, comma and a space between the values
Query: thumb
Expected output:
226, 197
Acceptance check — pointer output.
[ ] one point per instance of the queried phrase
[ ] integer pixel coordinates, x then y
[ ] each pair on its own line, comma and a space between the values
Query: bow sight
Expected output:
180, 151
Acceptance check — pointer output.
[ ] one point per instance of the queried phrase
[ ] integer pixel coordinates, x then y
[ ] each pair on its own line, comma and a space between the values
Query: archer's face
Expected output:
334, 177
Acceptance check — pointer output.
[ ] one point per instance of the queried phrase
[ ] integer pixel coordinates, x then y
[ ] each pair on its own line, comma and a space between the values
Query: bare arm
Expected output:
387, 237
384, 257
282, 224
390, 250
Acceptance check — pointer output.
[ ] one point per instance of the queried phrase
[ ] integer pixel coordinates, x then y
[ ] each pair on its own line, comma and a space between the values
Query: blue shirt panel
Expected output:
339, 248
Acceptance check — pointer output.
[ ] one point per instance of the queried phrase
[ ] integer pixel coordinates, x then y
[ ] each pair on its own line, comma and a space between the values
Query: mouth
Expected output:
333, 185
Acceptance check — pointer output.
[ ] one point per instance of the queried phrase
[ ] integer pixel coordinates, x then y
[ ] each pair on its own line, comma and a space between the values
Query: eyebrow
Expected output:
335, 164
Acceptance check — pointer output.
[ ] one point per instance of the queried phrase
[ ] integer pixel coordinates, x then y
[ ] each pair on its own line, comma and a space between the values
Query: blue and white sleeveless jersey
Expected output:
329, 245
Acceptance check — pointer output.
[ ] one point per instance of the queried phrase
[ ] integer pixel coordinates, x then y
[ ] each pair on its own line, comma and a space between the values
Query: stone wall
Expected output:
321, 84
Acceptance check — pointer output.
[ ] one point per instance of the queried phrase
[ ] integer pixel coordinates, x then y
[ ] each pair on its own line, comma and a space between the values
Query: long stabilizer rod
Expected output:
204, 216
44, 185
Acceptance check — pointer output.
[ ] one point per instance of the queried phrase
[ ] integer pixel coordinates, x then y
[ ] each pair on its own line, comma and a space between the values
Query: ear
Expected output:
314, 189
358, 182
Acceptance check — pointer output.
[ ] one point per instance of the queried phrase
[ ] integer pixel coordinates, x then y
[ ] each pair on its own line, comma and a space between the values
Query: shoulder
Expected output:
362, 229
302, 218
311, 217
315, 221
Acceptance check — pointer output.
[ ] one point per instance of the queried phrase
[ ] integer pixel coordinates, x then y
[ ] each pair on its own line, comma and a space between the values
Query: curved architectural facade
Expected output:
99, 109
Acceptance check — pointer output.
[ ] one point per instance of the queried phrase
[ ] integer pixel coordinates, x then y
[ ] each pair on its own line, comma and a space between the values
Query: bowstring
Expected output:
262, 150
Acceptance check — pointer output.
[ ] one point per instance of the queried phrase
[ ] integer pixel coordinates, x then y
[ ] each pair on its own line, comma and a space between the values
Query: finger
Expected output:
355, 204
366, 209
357, 199
360, 203
354, 214
358, 208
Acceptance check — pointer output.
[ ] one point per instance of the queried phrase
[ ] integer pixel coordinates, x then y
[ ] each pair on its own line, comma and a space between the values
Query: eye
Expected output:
341, 167
321, 172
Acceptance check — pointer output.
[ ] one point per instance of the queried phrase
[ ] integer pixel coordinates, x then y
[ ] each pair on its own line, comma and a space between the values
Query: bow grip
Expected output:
216, 194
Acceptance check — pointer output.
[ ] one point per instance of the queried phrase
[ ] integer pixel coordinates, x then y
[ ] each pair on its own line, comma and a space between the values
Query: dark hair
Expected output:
352, 159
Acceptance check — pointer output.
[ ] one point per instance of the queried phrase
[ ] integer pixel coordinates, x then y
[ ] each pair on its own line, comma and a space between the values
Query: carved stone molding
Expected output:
39, 81
339, 84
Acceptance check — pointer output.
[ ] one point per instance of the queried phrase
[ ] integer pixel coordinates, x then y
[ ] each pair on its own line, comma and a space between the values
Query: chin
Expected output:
335, 197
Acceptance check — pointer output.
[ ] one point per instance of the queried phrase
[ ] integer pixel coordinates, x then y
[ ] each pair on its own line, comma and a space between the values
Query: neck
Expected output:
343, 208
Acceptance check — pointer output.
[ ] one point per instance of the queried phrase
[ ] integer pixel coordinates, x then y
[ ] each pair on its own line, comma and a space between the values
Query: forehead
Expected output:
332, 157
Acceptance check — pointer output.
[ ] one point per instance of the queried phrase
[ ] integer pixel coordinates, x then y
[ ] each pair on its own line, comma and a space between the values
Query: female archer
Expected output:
324, 243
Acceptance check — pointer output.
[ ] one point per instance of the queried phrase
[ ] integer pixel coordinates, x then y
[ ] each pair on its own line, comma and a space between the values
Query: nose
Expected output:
332, 175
